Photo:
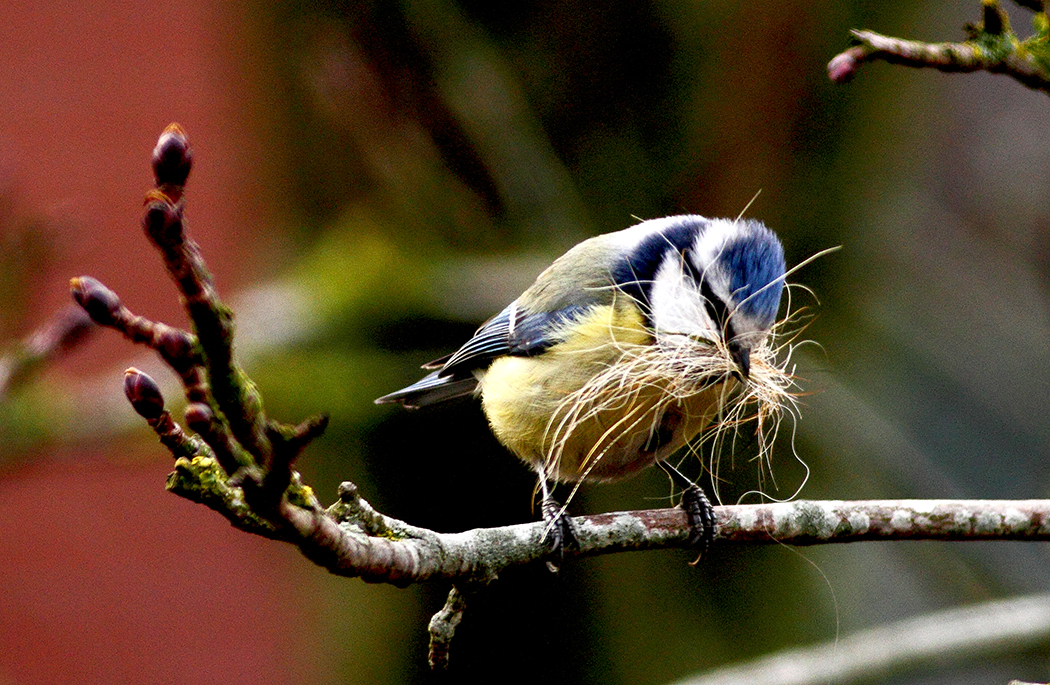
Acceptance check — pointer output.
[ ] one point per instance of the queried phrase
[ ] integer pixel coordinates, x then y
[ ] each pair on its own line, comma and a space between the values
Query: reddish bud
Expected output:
174, 345
143, 393
198, 416
172, 157
101, 303
163, 220
843, 66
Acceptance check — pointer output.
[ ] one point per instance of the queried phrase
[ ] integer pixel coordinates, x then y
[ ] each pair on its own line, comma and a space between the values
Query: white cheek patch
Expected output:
712, 241
708, 247
678, 306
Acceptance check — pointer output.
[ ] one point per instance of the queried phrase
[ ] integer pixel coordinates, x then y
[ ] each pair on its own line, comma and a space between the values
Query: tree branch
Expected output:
992, 46
978, 631
352, 539
239, 462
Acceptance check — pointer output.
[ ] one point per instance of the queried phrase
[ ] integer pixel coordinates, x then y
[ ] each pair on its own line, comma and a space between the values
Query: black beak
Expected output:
742, 356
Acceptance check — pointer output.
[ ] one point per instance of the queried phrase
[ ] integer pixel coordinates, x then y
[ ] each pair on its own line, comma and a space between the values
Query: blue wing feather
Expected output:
514, 332
431, 389
511, 332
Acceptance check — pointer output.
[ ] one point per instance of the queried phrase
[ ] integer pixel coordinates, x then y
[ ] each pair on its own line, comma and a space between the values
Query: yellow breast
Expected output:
579, 412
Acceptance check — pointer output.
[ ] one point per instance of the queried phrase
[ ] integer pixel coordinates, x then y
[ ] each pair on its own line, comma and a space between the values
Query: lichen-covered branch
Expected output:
819, 522
253, 453
352, 539
992, 46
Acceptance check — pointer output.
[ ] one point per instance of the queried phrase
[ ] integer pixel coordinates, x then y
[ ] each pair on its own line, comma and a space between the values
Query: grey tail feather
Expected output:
431, 389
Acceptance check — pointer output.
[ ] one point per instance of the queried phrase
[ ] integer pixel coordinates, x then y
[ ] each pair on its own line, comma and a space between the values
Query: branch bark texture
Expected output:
480, 554
352, 539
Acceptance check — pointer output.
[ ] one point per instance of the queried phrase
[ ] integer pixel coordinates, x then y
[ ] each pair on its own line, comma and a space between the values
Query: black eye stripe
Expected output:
690, 267
716, 308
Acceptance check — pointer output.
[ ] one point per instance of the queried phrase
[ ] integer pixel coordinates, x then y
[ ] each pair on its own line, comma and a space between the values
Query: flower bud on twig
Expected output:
143, 393
162, 220
843, 66
172, 157
101, 303
198, 417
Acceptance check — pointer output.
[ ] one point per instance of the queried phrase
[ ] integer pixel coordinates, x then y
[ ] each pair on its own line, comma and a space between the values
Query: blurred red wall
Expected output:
106, 577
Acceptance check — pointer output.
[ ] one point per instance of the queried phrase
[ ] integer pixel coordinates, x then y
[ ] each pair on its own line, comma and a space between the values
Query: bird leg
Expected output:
559, 534
702, 524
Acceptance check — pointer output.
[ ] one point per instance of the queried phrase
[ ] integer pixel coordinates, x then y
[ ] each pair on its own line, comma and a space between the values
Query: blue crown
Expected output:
754, 260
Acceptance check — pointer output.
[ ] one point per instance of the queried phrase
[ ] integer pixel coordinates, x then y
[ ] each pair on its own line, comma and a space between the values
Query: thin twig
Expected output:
66, 329
443, 626
992, 47
978, 631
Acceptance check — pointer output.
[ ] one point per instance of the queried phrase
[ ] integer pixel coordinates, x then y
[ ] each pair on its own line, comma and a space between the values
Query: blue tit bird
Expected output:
621, 352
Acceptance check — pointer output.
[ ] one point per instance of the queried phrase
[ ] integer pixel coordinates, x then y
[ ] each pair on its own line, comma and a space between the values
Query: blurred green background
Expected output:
374, 179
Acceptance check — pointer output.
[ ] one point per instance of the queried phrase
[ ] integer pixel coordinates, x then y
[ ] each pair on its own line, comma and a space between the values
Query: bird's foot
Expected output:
559, 532
703, 526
